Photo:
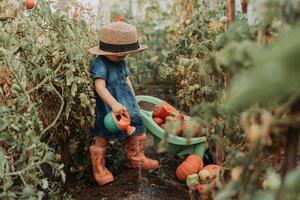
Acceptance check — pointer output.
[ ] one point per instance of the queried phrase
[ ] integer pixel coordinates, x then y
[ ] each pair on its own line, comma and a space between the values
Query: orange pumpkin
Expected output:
192, 164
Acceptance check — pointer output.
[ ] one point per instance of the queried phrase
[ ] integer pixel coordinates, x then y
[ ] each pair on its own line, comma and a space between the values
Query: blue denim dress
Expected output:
114, 74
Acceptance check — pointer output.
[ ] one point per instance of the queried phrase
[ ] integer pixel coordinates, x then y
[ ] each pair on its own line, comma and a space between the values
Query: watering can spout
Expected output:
130, 130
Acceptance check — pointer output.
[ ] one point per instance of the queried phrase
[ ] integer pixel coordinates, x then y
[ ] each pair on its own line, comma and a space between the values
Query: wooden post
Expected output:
230, 11
244, 5
291, 150
292, 142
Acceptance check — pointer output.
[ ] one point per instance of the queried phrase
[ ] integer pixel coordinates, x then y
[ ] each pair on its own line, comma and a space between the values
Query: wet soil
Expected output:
128, 185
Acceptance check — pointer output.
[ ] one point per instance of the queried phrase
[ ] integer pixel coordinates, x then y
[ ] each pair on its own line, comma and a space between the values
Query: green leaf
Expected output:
274, 77
3, 125
84, 100
27, 192
70, 77
15, 126
291, 182
45, 183
74, 89
63, 176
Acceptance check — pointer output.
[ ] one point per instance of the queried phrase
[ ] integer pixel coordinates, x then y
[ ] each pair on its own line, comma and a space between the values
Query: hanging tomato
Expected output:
119, 18
29, 4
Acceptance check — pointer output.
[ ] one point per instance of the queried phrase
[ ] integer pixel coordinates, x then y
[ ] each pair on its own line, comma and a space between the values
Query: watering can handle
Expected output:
156, 101
127, 116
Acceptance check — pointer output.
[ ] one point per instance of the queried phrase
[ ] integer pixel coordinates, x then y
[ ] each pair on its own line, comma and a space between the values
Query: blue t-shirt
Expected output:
114, 74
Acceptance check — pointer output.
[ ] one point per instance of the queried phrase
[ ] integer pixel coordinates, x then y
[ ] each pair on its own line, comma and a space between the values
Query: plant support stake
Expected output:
230, 11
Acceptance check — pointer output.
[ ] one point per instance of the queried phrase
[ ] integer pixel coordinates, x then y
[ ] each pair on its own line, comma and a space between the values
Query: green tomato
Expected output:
184, 62
27, 192
192, 180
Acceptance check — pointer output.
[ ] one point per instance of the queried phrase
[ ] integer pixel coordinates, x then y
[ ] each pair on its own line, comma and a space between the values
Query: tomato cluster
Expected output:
162, 115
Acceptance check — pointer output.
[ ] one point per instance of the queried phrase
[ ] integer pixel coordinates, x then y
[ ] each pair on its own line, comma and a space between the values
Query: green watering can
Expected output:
116, 123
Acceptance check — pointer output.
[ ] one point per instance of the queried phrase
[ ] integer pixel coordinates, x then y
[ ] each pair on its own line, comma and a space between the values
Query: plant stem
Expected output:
58, 114
43, 81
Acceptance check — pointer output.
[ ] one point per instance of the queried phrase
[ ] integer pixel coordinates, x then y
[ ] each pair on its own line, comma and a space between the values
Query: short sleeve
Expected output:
126, 70
99, 69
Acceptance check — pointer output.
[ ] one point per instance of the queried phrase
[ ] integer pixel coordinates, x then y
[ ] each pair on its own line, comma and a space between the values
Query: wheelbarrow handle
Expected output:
157, 101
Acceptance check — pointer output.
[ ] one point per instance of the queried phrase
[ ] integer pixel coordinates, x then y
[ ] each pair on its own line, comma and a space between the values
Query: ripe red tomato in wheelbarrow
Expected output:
161, 112
158, 120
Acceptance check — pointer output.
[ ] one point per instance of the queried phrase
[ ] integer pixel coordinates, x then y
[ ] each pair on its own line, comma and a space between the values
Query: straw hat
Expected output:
117, 38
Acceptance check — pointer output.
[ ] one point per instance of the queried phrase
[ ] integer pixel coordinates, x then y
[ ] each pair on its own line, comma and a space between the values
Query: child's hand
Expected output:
118, 108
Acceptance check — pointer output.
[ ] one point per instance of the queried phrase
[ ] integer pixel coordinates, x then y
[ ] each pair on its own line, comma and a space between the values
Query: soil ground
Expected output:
129, 185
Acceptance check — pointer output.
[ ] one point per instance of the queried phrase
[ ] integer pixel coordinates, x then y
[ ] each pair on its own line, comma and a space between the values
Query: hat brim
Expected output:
95, 50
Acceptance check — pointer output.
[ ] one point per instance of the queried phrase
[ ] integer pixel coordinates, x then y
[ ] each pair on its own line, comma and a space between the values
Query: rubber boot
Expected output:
134, 147
101, 173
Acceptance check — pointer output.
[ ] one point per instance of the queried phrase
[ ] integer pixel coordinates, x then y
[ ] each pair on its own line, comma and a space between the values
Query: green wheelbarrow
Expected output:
175, 144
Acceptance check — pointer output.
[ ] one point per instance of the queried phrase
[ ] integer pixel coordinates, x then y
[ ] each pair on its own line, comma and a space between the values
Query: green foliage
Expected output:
185, 63
24, 157
254, 62
46, 96
46, 91
291, 182
273, 77
157, 32
234, 49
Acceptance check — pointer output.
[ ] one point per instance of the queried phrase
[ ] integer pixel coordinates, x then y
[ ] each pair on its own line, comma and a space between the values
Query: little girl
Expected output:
114, 93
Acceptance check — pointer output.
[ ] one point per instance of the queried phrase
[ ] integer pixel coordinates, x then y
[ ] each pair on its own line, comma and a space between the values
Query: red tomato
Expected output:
30, 4
179, 116
119, 18
158, 120
160, 112
163, 126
